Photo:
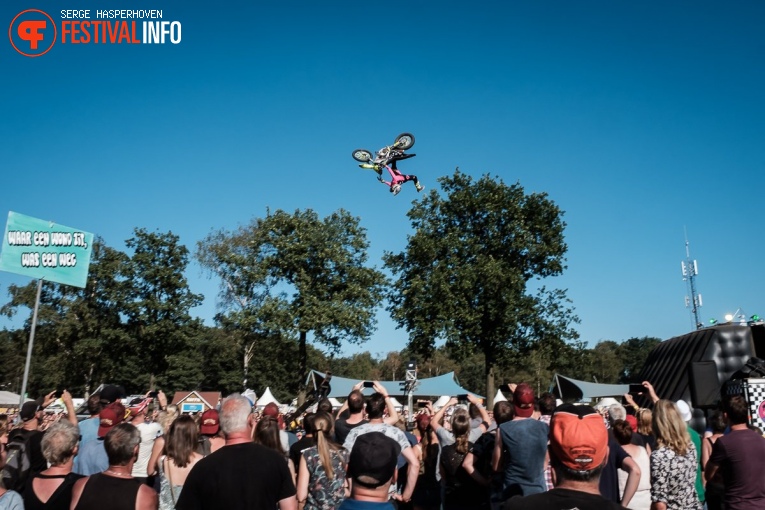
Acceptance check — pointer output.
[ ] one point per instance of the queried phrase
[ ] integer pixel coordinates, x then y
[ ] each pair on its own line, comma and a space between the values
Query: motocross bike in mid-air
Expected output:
386, 158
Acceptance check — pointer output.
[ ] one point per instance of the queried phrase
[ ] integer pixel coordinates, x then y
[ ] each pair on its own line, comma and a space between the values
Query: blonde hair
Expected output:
644, 419
323, 423
165, 419
670, 429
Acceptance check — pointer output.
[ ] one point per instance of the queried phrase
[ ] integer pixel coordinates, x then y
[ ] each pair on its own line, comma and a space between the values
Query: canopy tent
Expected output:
569, 389
499, 397
266, 398
441, 402
335, 403
396, 403
9, 399
440, 385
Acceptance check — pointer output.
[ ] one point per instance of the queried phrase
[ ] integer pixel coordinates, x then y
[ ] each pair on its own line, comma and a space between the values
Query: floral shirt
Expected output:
673, 478
323, 493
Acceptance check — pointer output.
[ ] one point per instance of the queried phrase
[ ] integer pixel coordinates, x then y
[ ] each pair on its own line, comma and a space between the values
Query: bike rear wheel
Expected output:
362, 155
404, 141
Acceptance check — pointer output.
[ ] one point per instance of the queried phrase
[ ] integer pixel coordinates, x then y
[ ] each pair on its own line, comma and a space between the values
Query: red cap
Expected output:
137, 408
109, 417
210, 423
523, 400
578, 437
632, 422
273, 411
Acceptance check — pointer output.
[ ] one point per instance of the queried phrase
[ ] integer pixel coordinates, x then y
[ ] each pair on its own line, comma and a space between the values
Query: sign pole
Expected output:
31, 344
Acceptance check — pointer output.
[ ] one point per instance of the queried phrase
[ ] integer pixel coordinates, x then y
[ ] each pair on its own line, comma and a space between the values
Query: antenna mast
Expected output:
690, 270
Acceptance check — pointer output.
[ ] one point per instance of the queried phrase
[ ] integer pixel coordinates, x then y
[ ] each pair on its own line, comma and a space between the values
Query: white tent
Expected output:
441, 402
500, 397
335, 403
266, 398
396, 403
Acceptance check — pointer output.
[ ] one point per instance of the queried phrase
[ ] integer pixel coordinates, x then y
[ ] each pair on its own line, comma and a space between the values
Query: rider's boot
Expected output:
371, 166
419, 187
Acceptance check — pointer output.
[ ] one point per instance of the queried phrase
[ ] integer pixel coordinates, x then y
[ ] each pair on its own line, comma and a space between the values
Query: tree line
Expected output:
469, 289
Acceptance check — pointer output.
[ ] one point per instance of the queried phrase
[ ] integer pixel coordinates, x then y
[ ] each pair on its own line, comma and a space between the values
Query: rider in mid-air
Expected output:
397, 178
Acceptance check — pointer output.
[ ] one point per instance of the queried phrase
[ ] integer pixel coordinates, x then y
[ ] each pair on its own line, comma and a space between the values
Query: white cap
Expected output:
685, 410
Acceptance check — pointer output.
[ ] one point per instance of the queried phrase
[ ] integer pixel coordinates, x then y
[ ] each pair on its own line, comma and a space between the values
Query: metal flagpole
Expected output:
30, 345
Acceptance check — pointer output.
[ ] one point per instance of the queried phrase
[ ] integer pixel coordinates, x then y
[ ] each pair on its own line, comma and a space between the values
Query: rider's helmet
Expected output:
395, 189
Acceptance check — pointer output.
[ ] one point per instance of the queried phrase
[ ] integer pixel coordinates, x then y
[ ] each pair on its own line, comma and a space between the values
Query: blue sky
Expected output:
639, 119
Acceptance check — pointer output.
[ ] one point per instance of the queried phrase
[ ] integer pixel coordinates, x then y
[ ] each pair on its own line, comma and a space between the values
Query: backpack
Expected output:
18, 461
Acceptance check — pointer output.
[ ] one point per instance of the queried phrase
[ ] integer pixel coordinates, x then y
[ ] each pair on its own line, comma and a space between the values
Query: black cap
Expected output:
29, 410
111, 393
373, 459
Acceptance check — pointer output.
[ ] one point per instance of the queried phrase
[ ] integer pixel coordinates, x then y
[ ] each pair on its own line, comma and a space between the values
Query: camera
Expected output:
153, 394
369, 384
422, 404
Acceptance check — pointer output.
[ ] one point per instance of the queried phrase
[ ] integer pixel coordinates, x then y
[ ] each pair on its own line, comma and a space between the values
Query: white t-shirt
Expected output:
149, 432
388, 430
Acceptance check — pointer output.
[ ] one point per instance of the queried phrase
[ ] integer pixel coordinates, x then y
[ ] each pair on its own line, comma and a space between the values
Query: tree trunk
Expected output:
88, 383
490, 391
302, 369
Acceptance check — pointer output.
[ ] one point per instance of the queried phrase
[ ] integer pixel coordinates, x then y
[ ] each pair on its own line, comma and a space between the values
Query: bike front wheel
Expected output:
404, 141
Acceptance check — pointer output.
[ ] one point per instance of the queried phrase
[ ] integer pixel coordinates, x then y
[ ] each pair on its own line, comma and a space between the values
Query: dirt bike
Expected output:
403, 142
386, 159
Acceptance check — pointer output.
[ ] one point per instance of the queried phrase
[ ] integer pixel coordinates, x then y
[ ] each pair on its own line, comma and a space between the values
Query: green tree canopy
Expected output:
633, 352
297, 274
80, 339
464, 275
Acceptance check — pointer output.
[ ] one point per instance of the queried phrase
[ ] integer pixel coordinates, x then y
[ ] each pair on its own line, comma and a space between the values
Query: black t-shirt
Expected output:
561, 499
482, 451
460, 489
649, 440
343, 428
242, 476
295, 450
36, 457
609, 478
59, 500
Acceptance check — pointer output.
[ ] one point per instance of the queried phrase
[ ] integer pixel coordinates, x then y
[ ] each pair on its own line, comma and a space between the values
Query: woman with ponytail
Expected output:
461, 491
427, 491
321, 476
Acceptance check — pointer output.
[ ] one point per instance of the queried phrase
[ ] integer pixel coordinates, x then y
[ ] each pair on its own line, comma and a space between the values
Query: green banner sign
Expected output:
43, 249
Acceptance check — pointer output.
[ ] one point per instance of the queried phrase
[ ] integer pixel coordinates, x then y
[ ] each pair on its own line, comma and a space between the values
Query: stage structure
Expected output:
445, 384
694, 367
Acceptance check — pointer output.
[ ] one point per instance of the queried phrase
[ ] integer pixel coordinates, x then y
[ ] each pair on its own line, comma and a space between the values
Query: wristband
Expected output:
485, 424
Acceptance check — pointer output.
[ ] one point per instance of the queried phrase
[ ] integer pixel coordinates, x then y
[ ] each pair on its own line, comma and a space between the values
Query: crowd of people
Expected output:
529, 452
